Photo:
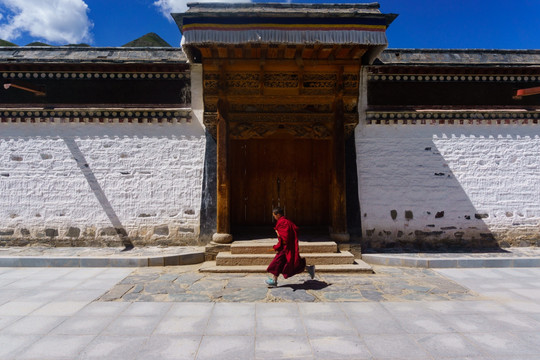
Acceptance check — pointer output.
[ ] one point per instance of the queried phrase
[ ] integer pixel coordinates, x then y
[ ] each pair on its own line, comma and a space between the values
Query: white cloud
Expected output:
171, 6
54, 21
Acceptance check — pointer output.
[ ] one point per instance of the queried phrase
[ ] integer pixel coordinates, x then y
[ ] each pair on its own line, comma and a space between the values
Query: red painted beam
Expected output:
526, 92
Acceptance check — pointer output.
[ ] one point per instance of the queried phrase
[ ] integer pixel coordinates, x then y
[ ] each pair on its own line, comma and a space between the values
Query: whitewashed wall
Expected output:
427, 185
145, 178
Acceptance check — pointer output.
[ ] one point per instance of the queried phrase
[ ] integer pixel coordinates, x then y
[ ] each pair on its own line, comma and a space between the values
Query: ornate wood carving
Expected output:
259, 130
210, 121
264, 101
319, 84
312, 83
281, 108
302, 125
281, 118
281, 80
351, 81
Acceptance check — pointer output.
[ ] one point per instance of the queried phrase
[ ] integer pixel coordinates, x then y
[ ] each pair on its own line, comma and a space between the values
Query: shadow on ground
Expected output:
307, 285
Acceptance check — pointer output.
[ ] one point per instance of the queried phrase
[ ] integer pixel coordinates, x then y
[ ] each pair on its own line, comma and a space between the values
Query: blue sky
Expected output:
495, 24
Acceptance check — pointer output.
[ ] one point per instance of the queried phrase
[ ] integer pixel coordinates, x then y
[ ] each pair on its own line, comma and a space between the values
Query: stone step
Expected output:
358, 266
265, 247
228, 259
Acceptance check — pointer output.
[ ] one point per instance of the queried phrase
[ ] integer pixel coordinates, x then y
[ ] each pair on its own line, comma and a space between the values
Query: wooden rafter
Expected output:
527, 92
25, 88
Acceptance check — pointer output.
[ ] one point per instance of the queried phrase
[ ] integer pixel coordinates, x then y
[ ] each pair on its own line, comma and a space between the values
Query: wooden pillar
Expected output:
339, 206
223, 234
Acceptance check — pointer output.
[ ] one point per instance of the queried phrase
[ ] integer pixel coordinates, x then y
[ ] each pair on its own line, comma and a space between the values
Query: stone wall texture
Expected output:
83, 184
433, 186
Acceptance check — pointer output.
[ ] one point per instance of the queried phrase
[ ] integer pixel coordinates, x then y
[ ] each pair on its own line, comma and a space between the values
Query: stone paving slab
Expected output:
358, 266
187, 255
477, 325
100, 257
508, 257
187, 284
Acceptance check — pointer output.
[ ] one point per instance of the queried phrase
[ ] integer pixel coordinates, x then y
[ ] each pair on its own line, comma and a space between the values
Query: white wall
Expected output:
484, 178
144, 177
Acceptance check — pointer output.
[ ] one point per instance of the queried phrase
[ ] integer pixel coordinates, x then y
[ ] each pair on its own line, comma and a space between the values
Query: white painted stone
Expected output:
491, 172
141, 176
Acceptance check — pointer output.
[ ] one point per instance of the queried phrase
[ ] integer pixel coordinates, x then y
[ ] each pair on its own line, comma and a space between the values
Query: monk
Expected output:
287, 261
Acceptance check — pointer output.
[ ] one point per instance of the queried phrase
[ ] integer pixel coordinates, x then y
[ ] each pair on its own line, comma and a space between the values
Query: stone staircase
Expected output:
253, 256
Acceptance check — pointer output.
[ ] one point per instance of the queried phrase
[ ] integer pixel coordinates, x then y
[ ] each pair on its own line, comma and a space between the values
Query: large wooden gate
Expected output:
294, 174
274, 70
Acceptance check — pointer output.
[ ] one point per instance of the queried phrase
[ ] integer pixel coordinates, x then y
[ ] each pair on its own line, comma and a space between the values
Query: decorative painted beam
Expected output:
93, 75
426, 117
98, 116
453, 77
527, 92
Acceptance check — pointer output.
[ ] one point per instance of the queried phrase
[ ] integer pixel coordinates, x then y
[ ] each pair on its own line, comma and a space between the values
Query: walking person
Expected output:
287, 261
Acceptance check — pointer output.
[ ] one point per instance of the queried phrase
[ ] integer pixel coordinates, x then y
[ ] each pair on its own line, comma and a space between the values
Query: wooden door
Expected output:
293, 174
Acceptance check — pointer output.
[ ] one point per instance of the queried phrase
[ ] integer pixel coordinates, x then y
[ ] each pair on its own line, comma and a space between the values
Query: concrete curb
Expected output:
450, 262
188, 258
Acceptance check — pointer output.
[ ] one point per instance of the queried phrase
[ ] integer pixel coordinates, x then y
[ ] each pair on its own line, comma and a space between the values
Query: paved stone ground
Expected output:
186, 284
523, 252
144, 251
51, 313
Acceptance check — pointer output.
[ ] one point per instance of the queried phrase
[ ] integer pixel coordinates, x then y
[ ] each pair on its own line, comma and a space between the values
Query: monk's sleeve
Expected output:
278, 246
283, 231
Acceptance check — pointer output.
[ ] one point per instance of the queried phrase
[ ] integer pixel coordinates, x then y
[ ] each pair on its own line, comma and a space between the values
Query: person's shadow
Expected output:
308, 285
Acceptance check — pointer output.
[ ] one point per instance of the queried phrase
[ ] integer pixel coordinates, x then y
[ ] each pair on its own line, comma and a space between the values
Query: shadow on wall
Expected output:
98, 192
448, 189
100, 184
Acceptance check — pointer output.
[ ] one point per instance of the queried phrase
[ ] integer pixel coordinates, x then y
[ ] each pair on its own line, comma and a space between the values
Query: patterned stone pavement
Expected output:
51, 313
186, 284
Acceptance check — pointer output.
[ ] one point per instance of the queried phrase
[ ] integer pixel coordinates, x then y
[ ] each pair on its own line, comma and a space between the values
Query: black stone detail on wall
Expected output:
408, 214
162, 230
393, 214
51, 232
481, 216
73, 232
4, 174
25, 232
110, 231
422, 234
439, 215
209, 191
6, 232
354, 216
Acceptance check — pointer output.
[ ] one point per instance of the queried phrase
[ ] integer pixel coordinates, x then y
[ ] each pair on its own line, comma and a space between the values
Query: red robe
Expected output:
287, 261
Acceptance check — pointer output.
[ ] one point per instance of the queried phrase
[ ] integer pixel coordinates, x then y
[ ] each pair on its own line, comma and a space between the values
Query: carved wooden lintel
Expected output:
281, 118
252, 83
260, 130
313, 126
